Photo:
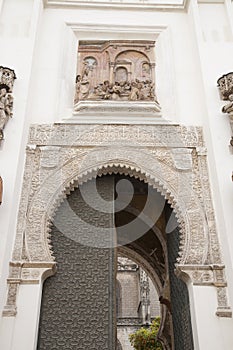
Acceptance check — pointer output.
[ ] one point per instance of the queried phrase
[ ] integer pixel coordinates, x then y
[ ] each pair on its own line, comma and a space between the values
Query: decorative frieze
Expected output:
165, 136
7, 78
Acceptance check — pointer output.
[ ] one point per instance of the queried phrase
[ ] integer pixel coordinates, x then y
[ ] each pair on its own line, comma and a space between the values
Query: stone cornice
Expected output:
125, 4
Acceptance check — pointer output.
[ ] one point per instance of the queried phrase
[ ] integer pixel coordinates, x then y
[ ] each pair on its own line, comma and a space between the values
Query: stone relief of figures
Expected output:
124, 91
6, 99
119, 71
225, 86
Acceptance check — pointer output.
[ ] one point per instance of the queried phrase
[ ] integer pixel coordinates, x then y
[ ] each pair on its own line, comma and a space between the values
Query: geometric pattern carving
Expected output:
77, 309
146, 152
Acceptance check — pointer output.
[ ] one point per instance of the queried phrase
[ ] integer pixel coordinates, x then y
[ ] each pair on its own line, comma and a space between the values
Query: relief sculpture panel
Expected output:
116, 70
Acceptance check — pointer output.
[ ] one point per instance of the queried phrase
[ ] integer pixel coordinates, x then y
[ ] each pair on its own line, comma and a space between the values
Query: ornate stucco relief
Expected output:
171, 158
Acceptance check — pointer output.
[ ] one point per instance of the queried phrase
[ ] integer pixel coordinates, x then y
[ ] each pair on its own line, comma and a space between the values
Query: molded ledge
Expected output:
117, 112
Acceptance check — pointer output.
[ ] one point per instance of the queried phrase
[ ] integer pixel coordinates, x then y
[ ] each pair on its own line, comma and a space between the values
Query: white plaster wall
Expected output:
55, 68
215, 38
194, 48
18, 30
213, 332
20, 332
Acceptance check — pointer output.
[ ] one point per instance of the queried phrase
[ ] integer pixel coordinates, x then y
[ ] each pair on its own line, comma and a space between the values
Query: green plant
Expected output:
145, 338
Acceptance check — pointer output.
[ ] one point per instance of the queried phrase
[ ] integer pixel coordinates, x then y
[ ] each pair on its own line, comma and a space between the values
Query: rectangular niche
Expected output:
116, 76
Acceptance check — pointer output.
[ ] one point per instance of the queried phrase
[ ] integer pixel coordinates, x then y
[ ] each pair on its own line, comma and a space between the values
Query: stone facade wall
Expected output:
154, 301
130, 293
40, 43
129, 321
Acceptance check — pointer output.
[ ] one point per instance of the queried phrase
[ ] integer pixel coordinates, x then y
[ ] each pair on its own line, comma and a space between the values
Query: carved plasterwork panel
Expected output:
171, 158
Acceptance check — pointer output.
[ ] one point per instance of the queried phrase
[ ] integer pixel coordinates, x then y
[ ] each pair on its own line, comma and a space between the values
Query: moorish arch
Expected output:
64, 302
170, 158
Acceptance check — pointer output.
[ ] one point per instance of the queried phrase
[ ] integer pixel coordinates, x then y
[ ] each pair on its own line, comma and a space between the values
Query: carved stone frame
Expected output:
171, 158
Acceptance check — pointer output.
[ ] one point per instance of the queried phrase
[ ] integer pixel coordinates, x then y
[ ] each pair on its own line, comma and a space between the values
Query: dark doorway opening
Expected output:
79, 308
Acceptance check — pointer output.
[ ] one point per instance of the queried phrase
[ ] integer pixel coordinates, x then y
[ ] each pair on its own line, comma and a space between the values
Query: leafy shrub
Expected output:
145, 338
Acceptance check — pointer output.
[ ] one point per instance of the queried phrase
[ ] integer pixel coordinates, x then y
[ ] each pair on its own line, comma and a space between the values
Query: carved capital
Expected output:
198, 274
202, 275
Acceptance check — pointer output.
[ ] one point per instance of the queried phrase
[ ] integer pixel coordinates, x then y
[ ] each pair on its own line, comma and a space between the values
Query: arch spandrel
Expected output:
171, 159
